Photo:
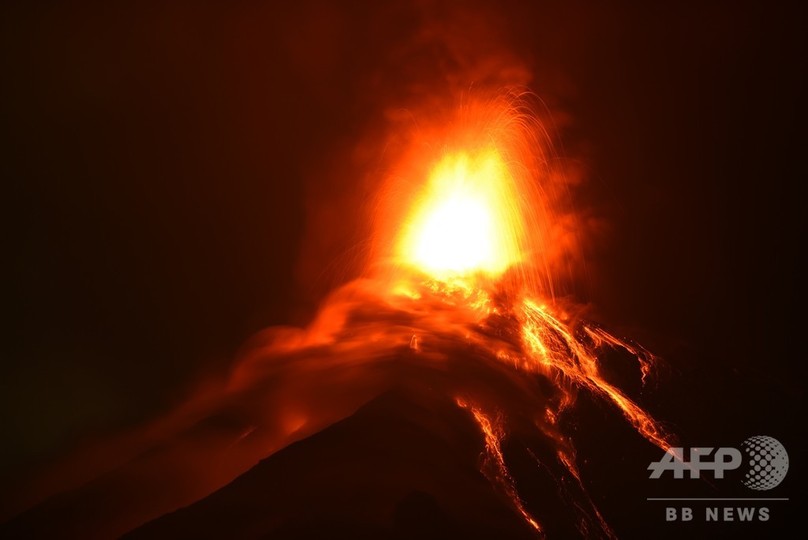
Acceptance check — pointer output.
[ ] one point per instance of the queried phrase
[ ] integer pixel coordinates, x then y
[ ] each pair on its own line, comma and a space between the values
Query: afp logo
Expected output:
764, 462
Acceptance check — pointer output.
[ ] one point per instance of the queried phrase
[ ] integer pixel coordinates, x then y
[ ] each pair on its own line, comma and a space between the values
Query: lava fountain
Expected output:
466, 220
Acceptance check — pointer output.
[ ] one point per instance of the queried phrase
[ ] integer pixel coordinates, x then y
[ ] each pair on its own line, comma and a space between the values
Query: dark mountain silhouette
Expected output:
404, 466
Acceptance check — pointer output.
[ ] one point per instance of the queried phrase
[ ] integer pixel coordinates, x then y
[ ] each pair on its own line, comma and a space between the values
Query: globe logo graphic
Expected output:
768, 462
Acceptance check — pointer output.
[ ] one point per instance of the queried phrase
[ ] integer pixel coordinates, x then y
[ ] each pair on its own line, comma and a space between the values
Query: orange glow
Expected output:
484, 205
477, 215
472, 194
466, 219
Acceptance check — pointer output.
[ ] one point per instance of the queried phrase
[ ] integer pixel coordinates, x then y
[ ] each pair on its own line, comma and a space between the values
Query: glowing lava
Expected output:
465, 220
478, 215
494, 466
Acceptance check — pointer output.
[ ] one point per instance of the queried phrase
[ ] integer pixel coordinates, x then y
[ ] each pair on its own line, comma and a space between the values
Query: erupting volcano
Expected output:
455, 349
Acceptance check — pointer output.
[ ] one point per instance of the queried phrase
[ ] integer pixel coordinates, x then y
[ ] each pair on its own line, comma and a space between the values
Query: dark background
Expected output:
157, 162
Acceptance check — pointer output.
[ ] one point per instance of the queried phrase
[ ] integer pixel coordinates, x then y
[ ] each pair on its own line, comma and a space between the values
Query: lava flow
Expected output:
460, 300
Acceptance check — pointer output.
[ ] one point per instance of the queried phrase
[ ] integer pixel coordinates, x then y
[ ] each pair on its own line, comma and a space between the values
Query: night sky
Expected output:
167, 170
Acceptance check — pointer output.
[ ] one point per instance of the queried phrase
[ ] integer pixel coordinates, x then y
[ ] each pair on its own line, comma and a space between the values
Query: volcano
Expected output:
413, 421
438, 395
405, 465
